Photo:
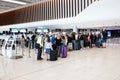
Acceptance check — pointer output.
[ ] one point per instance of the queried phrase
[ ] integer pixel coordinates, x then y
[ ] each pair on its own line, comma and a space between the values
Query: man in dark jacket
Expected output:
104, 33
33, 40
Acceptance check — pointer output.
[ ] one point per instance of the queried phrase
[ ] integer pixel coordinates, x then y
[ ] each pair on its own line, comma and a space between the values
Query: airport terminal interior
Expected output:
59, 40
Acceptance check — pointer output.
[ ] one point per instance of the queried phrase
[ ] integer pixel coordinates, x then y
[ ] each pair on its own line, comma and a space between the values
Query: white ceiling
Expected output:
5, 6
104, 13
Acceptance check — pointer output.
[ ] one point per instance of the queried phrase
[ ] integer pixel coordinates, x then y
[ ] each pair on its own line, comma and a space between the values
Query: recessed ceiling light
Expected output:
16, 2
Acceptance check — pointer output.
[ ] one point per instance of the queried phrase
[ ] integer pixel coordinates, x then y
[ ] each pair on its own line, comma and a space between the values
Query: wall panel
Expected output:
58, 9
66, 9
53, 9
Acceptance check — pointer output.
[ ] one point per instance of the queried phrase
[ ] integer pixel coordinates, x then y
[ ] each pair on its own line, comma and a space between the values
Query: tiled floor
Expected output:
89, 64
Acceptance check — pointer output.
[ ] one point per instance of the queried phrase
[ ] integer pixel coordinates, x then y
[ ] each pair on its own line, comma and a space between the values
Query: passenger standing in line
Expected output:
64, 42
64, 46
58, 44
45, 37
81, 41
66, 39
88, 40
33, 40
73, 40
48, 48
27, 41
99, 40
22, 44
52, 38
40, 45
92, 40
69, 42
85, 40
76, 42
104, 33
69, 38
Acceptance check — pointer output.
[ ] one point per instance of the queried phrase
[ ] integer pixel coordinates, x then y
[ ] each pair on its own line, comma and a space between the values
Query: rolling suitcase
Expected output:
70, 46
64, 52
53, 56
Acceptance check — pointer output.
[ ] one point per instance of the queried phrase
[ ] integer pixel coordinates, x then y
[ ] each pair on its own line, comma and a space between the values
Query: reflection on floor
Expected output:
89, 64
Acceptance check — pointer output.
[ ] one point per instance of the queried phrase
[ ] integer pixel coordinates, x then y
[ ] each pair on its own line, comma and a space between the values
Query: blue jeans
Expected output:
59, 50
33, 44
75, 45
82, 44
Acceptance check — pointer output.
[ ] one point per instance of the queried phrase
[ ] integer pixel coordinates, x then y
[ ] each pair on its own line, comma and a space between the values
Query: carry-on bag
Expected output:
70, 46
53, 55
64, 52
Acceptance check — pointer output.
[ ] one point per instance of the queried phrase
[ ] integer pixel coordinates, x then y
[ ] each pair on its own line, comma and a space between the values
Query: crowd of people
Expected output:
72, 41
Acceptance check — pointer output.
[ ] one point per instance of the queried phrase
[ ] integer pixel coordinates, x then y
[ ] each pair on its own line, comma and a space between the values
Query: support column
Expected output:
75, 29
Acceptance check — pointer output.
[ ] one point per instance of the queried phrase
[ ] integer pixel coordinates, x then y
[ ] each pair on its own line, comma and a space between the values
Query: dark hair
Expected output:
47, 35
48, 39
63, 37
22, 36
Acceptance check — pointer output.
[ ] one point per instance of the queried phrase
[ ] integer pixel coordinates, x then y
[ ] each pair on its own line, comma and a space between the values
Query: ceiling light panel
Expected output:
16, 2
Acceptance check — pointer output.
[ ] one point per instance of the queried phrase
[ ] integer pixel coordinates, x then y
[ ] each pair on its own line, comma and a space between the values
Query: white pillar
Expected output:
75, 29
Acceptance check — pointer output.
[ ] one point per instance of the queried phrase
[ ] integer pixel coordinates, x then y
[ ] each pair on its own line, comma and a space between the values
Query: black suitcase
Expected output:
54, 46
53, 56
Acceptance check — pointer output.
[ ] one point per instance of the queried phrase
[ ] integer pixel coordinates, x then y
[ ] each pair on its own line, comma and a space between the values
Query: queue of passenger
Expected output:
59, 43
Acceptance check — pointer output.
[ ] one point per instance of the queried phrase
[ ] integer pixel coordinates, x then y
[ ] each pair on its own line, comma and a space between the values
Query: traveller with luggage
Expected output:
64, 47
48, 48
58, 44
69, 42
22, 44
39, 46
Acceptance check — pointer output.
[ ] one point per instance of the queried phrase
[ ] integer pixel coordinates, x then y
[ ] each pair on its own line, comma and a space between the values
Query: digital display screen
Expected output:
23, 30
14, 29
45, 30
39, 30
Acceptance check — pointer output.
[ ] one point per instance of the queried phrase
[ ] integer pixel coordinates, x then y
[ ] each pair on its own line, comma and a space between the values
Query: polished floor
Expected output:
88, 64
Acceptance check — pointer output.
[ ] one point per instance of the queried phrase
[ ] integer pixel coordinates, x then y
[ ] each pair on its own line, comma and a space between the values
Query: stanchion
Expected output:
35, 47
29, 52
1, 52
29, 47
22, 52
19, 45
16, 47
43, 51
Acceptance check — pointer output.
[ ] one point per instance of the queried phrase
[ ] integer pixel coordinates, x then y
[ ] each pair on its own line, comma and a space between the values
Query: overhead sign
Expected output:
15, 30
23, 30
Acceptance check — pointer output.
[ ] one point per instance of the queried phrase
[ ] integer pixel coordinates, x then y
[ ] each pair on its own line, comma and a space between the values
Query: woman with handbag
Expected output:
48, 48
